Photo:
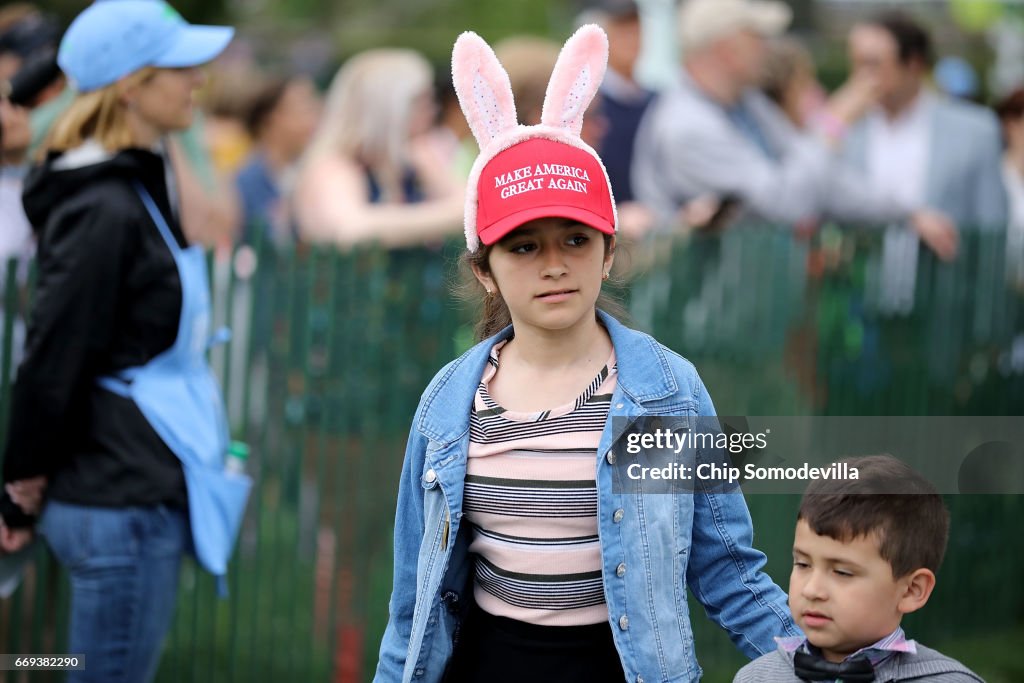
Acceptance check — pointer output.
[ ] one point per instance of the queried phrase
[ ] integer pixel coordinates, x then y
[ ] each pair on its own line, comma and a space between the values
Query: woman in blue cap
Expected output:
115, 413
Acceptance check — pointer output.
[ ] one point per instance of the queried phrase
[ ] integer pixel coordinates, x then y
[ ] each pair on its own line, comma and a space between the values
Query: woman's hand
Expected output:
13, 540
28, 494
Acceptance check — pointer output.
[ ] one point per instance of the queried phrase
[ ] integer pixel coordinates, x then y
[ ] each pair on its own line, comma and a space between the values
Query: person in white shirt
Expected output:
927, 149
931, 150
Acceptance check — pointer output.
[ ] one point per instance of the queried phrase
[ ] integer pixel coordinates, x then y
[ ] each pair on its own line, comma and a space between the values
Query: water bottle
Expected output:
238, 458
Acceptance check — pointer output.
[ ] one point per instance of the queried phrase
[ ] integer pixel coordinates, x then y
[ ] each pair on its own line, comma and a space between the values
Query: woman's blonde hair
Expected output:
369, 106
99, 115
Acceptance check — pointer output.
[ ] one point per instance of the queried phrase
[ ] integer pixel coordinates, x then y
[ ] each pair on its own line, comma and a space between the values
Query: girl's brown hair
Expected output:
99, 115
495, 315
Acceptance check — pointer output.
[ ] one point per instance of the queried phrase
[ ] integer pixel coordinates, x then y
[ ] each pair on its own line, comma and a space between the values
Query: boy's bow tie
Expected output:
816, 668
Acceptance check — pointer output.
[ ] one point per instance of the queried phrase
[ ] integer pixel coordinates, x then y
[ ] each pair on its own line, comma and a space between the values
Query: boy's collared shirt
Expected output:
901, 660
876, 653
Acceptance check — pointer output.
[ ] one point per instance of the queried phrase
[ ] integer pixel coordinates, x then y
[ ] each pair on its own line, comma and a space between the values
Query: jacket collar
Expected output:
644, 375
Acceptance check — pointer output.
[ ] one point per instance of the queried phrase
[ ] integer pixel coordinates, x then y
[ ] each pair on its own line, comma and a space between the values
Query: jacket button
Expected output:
618, 515
620, 571
610, 457
619, 406
624, 622
418, 673
430, 477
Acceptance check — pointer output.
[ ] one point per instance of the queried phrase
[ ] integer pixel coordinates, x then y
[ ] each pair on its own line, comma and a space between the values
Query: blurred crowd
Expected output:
745, 131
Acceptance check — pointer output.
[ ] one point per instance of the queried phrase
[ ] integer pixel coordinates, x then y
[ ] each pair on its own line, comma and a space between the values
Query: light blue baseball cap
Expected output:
114, 38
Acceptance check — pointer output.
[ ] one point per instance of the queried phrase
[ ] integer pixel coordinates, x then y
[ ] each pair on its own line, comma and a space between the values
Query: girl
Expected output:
115, 410
516, 558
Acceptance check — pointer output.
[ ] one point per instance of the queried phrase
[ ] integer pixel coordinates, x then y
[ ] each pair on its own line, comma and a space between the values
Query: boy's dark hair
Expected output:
912, 40
888, 499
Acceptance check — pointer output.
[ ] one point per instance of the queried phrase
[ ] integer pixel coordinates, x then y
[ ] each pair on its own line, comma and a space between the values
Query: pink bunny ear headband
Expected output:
529, 172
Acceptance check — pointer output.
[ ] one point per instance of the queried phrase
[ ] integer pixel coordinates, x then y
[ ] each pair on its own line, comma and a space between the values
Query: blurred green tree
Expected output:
430, 26
195, 11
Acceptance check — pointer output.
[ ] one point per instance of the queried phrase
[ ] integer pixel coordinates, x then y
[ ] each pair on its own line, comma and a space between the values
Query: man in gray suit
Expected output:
714, 135
925, 147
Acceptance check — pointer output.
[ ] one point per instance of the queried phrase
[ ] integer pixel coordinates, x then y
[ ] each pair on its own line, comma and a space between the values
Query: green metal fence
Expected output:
331, 352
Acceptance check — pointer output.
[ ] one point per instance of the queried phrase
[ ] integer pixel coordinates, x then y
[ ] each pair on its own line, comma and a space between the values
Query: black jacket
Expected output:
108, 297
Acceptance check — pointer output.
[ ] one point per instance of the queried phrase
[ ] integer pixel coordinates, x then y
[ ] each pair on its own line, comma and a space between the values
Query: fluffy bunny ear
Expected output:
484, 90
577, 75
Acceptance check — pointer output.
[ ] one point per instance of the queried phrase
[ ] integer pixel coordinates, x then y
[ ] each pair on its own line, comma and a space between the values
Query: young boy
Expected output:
865, 553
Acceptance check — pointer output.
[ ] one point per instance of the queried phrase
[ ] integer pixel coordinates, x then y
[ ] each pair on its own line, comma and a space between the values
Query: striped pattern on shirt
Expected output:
531, 501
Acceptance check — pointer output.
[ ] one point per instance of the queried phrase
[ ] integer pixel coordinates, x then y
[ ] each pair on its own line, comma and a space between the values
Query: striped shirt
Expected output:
531, 501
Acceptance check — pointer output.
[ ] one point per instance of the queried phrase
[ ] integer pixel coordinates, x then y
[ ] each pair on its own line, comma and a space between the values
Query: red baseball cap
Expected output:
542, 178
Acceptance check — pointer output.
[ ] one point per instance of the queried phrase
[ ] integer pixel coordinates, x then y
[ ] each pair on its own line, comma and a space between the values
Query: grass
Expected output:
995, 657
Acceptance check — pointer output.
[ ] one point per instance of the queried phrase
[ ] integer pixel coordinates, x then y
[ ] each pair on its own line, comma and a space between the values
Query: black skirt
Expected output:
495, 649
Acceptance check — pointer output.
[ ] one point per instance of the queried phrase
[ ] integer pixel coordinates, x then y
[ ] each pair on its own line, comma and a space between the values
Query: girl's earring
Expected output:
604, 276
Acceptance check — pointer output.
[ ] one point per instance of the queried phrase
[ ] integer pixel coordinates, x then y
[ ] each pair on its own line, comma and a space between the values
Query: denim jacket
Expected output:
652, 546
